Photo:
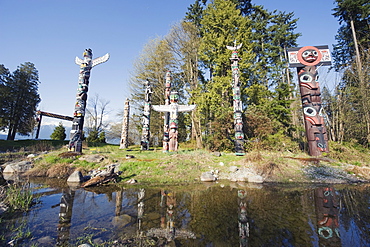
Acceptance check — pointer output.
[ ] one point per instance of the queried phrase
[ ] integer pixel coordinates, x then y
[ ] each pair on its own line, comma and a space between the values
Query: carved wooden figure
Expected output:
125, 125
238, 104
171, 109
145, 136
306, 59
86, 64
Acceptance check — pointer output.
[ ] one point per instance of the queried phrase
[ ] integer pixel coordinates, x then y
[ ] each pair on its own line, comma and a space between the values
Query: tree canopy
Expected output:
195, 52
19, 99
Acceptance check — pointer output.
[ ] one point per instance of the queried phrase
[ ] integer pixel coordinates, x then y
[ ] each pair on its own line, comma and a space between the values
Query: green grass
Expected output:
187, 164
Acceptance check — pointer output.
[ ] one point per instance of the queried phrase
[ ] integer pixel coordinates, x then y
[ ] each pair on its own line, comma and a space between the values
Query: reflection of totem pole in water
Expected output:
126, 116
327, 210
243, 224
140, 208
306, 59
167, 228
238, 105
170, 140
65, 216
145, 136
75, 143
168, 203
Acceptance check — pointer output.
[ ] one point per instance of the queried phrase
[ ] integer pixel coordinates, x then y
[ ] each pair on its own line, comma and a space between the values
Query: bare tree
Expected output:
95, 112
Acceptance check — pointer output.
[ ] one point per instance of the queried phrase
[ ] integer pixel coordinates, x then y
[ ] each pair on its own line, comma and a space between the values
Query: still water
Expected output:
214, 214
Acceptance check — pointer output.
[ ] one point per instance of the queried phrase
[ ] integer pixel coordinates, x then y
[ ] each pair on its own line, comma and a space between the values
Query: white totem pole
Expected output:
171, 109
145, 136
86, 64
124, 135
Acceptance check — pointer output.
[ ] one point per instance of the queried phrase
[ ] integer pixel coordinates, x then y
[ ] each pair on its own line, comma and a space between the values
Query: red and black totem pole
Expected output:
86, 64
237, 103
306, 60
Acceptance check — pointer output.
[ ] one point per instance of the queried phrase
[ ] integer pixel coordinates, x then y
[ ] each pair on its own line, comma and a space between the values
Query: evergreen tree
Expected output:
354, 16
20, 107
4, 95
351, 118
59, 133
222, 24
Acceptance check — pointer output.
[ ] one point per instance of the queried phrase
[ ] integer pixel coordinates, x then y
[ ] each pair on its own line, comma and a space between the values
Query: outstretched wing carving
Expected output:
100, 60
78, 61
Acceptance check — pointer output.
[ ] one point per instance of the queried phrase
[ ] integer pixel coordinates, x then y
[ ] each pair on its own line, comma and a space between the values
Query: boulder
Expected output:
96, 158
75, 177
18, 167
207, 177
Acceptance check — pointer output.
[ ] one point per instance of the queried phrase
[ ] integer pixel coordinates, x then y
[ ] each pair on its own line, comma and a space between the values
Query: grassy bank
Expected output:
188, 164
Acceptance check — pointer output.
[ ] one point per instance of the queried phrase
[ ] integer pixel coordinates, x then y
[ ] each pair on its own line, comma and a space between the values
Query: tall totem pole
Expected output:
125, 123
145, 136
238, 104
171, 110
86, 64
306, 59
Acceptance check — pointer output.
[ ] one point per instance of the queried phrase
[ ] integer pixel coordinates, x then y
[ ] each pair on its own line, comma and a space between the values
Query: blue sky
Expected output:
51, 33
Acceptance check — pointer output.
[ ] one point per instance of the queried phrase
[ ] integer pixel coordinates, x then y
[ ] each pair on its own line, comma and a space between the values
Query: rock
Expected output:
18, 167
217, 154
75, 177
31, 155
207, 177
45, 240
121, 221
233, 168
130, 156
255, 179
131, 181
84, 245
96, 158
221, 164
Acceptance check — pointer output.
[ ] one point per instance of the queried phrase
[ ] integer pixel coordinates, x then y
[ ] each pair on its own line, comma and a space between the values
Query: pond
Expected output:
204, 214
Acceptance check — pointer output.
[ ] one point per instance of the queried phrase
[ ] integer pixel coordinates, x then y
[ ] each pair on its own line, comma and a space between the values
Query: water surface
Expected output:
214, 214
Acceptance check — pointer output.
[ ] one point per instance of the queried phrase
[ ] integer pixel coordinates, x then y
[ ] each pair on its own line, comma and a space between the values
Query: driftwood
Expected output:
100, 179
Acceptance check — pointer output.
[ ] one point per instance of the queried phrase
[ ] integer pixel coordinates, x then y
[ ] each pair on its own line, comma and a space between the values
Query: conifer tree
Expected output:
19, 108
59, 133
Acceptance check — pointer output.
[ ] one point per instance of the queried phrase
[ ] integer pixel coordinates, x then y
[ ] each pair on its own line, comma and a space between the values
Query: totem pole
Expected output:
86, 64
238, 105
306, 59
145, 136
171, 110
124, 135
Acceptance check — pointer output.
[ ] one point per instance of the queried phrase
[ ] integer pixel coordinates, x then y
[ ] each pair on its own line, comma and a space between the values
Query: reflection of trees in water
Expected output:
355, 214
274, 215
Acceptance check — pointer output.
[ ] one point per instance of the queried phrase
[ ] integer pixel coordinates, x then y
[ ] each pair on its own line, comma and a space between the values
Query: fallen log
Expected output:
100, 179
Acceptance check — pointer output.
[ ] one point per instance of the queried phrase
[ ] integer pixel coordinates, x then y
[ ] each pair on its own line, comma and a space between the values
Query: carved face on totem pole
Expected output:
316, 132
309, 55
313, 114
174, 97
